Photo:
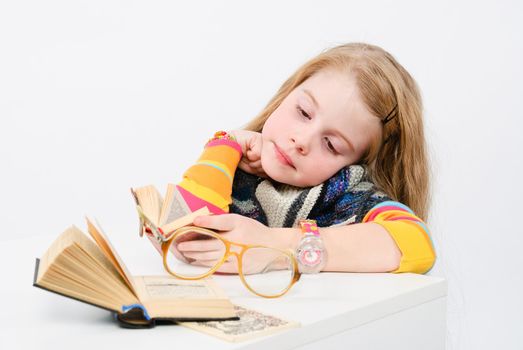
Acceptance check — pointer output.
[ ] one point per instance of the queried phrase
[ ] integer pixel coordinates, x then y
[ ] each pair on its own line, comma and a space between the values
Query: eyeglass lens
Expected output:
266, 271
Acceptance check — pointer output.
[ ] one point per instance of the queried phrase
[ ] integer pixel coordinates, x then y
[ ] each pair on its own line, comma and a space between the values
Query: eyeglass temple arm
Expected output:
148, 226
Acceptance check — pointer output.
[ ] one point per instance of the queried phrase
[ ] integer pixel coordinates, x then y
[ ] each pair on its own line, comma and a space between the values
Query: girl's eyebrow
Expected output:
308, 93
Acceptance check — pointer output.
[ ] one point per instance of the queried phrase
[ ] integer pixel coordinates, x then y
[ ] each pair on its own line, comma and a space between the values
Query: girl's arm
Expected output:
390, 239
394, 241
362, 247
208, 182
409, 232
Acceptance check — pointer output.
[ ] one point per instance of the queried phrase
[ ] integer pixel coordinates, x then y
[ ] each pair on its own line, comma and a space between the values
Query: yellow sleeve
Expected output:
209, 180
410, 234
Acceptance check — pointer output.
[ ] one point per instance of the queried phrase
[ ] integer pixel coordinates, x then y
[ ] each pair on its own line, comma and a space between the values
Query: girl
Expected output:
341, 143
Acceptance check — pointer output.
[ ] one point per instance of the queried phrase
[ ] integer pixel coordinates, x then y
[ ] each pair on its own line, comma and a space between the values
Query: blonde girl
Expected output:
342, 143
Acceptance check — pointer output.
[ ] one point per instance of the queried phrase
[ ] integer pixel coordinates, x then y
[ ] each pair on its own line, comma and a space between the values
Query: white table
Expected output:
336, 310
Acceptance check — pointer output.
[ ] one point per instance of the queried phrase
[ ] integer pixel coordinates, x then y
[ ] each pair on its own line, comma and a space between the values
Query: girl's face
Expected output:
319, 128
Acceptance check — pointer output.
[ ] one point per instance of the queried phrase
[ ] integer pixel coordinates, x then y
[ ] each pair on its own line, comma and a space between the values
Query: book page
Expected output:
169, 288
174, 206
183, 221
150, 201
76, 267
252, 324
106, 247
170, 297
69, 237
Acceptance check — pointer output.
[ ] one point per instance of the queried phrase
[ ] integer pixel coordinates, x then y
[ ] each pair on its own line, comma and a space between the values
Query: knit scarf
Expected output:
345, 198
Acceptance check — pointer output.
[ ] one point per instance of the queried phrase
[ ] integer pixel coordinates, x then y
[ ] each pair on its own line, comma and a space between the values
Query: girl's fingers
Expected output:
188, 236
222, 222
174, 250
250, 164
226, 267
212, 256
230, 266
255, 144
256, 164
253, 155
254, 168
204, 263
201, 245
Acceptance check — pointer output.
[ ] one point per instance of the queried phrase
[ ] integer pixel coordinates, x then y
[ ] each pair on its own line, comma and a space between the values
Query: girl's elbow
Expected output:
392, 261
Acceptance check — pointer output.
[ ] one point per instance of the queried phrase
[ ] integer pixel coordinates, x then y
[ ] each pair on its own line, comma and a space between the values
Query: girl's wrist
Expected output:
285, 238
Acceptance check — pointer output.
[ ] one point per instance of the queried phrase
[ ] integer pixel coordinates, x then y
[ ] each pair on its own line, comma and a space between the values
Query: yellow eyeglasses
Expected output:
265, 271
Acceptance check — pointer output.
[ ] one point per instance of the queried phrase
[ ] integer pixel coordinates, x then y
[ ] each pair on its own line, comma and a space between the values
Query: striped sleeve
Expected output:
208, 182
409, 232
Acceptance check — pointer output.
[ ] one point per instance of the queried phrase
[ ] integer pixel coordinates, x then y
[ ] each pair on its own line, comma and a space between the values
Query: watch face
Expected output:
311, 253
310, 257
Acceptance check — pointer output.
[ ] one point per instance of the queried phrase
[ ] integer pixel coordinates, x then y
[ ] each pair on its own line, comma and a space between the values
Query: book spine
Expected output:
127, 308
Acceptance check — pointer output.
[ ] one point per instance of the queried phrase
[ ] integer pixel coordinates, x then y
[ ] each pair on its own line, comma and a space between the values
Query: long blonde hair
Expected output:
397, 161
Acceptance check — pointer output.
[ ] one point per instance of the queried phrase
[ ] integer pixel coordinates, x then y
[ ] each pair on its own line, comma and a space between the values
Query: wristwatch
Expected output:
310, 253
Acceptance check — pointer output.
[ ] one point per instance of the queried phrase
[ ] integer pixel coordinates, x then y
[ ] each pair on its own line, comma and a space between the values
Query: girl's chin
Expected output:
280, 177
275, 173
278, 173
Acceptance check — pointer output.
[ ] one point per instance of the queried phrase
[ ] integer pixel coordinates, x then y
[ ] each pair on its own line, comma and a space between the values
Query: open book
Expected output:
75, 266
166, 214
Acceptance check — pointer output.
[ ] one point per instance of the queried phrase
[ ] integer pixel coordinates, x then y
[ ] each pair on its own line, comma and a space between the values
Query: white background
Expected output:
100, 96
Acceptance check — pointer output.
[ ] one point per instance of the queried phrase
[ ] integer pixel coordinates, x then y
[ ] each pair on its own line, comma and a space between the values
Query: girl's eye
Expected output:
330, 146
303, 113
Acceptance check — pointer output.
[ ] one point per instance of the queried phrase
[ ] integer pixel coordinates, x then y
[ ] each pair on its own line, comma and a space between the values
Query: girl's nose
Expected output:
301, 144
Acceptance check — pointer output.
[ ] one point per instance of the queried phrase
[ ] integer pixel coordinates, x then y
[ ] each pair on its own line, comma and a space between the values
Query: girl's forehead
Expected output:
335, 98
332, 76
335, 95
333, 88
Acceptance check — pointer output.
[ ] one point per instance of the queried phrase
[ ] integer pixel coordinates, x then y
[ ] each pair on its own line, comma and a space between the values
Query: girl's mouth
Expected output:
282, 157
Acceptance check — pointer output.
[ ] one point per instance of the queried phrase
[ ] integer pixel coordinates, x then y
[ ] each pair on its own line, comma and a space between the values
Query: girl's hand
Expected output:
174, 246
235, 228
251, 144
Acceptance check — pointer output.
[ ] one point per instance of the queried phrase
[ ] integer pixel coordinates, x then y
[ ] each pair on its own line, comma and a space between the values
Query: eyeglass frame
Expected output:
166, 239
